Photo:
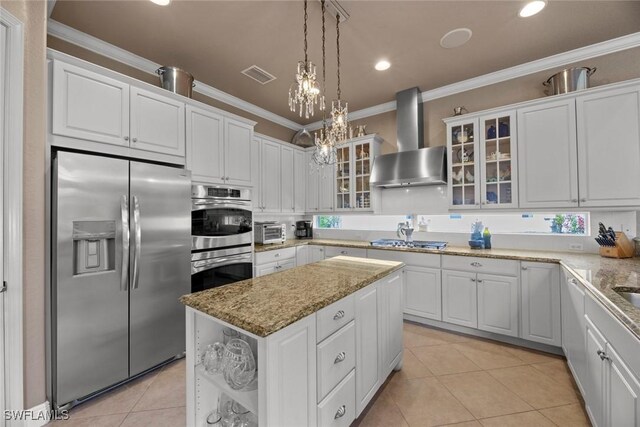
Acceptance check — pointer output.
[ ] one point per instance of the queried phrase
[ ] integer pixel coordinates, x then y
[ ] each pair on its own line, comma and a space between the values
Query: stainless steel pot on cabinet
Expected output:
176, 80
569, 80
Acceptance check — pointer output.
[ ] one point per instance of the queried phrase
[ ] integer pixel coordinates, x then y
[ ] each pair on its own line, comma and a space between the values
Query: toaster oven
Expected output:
266, 233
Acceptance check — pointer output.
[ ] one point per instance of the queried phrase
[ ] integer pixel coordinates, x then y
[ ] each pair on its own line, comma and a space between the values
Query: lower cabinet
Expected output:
622, 400
459, 298
367, 343
331, 251
595, 373
315, 253
498, 304
573, 329
389, 310
540, 302
423, 292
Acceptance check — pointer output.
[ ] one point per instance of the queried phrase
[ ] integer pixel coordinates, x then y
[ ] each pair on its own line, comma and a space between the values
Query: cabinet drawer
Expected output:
334, 317
331, 251
339, 408
480, 265
409, 258
336, 356
275, 255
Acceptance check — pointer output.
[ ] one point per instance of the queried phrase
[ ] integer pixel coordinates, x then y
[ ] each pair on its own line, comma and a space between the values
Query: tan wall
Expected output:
263, 126
612, 68
33, 15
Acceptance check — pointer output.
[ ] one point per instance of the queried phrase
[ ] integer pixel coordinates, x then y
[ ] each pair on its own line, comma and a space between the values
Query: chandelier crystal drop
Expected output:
325, 153
304, 92
339, 108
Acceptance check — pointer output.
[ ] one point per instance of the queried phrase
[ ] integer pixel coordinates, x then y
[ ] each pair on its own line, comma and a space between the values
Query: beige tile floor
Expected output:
447, 379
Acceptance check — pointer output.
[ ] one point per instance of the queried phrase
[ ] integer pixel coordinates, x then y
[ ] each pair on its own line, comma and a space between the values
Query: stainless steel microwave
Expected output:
266, 233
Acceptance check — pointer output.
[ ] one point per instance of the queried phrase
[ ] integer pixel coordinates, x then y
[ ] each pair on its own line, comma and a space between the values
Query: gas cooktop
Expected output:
422, 244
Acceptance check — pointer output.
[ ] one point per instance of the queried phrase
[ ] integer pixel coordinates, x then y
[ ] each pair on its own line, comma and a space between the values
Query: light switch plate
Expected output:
576, 247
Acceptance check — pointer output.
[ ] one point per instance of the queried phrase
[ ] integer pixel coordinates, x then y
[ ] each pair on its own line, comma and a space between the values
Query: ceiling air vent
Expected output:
258, 74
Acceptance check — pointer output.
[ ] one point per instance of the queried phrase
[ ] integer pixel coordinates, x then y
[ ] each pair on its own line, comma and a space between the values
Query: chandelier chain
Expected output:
306, 16
338, 49
324, 66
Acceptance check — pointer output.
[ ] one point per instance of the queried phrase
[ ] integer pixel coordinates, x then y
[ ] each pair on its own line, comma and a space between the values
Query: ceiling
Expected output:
216, 40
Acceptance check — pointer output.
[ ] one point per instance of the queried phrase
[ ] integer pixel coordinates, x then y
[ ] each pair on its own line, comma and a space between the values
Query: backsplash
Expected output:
289, 220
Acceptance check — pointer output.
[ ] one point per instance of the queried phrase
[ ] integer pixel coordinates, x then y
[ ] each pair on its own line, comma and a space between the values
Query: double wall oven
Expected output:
222, 236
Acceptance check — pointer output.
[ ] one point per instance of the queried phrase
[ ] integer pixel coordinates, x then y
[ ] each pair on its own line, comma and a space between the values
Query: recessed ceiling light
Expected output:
161, 2
532, 8
382, 65
455, 38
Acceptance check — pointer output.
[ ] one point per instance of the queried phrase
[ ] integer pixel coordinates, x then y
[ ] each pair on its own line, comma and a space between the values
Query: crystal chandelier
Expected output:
339, 110
325, 152
303, 94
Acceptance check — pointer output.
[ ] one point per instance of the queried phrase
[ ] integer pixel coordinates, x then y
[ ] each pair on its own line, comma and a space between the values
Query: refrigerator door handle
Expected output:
137, 244
124, 212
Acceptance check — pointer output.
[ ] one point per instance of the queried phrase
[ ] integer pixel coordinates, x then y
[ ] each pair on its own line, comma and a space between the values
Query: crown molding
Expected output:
86, 41
629, 41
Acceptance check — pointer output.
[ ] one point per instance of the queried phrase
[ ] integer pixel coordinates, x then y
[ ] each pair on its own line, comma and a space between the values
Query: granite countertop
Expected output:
266, 304
602, 277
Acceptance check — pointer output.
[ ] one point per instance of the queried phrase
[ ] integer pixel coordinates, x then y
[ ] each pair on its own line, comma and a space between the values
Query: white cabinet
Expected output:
423, 292
331, 251
89, 106
463, 163
497, 304
237, 152
300, 172
287, 179
157, 123
353, 172
315, 254
622, 402
573, 330
390, 318
256, 161
609, 147
326, 189
540, 302
205, 147
594, 373
547, 155
312, 184
274, 261
270, 177
367, 346
263, 270
459, 298
302, 255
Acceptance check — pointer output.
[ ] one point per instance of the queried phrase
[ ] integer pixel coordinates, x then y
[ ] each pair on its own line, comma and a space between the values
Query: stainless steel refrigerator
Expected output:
121, 249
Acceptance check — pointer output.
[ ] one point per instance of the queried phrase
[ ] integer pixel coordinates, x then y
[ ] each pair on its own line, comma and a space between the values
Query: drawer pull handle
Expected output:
476, 264
340, 412
343, 252
473, 280
339, 315
603, 355
342, 355
524, 268
276, 255
573, 281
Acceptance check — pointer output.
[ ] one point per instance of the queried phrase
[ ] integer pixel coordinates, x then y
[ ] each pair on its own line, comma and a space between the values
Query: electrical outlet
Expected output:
575, 247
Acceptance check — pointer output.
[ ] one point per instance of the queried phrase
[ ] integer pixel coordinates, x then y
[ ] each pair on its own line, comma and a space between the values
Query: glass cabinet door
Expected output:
498, 151
362, 158
343, 177
463, 176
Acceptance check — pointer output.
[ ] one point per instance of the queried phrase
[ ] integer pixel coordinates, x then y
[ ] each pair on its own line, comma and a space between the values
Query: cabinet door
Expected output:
362, 157
237, 152
316, 253
609, 148
89, 106
264, 269
344, 177
498, 304
287, 178
498, 161
302, 255
326, 189
622, 400
540, 301
367, 348
300, 172
157, 123
390, 316
270, 176
256, 166
205, 134
463, 159
595, 373
573, 329
423, 292
286, 264
548, 155
459, 298
312, 185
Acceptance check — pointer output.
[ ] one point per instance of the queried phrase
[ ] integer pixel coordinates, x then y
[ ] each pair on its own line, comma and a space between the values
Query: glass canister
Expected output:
213, 357
239, 364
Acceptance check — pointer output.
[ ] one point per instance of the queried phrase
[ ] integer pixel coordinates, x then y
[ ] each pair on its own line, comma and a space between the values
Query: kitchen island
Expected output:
325, 337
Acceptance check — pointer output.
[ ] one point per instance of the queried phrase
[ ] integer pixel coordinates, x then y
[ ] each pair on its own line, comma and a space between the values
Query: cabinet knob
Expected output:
479, 281
340, 413
276, 255
524, 268
574, 200
583, 200
573, 281
603, 355
476, 264
135, 139
342, 355
343, 252
126, 138
339, 315
472, 279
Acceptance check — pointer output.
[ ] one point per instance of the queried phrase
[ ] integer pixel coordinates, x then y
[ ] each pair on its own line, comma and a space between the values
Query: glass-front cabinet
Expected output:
462, 143
482, 161
353, 172
498, 153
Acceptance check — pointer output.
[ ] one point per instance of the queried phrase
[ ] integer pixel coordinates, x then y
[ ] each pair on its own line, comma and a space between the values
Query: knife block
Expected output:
623, 248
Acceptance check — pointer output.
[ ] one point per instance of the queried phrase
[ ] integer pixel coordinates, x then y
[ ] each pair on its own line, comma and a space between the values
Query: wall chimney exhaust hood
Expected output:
413, 164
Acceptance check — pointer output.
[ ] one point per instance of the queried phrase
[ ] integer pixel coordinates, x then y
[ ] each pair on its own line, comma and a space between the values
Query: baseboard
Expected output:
37, 416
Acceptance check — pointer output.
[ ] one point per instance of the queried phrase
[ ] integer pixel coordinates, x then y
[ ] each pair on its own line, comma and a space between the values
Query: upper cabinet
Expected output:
93, 107
237, 152
464, 170
547, 155
609, 147
353, 173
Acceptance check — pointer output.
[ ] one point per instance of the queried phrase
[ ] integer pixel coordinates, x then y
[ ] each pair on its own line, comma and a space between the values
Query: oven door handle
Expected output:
207, 264
203, 204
